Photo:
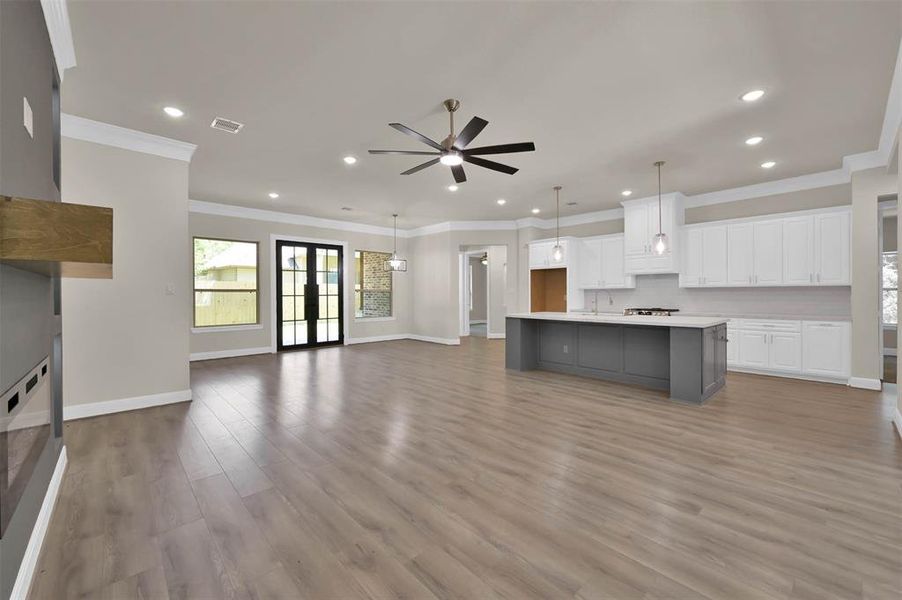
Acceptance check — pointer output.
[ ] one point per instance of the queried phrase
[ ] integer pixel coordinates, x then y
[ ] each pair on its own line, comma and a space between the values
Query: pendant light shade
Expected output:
557, 253
395, 263
659, 243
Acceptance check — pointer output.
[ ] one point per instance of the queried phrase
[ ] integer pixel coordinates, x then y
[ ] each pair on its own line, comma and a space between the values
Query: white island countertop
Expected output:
580, 317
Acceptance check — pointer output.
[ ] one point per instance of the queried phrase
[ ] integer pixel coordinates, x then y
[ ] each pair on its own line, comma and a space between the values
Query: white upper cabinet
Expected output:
798, 251
831, 249
601, 263
589, 263
740, 248
705, 257
767, 253
540, 255
641, 223
808, 249
612, 264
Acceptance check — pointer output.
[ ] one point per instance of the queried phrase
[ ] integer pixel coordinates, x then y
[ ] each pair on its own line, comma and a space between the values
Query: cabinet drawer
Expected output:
772, 326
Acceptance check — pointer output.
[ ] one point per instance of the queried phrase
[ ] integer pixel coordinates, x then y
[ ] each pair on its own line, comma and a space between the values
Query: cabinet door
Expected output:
714, 256
767, 258
612, 273
635, 228
732, 346
692, 258
785, 352
589, 270
740, 248
538, 254
831, 249
825, 349
753, 349
798, 251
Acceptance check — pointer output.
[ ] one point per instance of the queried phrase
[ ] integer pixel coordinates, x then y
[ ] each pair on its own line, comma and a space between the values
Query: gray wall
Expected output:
26, 316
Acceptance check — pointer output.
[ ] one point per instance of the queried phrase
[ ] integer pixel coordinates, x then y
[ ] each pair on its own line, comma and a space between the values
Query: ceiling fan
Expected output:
453, 151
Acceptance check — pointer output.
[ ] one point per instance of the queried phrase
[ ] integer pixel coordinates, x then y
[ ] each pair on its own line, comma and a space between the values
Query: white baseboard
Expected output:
33, 550
865, 383
889, 352
897, 419
435, 340
376, 338
93, 409
495, 336
229, 353
785, 375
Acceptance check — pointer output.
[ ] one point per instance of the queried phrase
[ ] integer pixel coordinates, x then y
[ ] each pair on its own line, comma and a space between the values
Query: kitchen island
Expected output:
686, 356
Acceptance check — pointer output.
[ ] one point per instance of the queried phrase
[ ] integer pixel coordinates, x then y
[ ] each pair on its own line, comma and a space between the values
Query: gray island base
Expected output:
686, 356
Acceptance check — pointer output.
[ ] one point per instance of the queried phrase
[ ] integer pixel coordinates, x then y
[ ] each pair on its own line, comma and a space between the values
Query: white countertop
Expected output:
675, 321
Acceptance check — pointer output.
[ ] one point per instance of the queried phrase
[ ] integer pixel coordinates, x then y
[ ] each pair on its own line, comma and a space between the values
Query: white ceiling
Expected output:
603, 89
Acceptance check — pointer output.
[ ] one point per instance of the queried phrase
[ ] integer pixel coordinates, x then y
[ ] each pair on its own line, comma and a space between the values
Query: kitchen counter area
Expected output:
685, 356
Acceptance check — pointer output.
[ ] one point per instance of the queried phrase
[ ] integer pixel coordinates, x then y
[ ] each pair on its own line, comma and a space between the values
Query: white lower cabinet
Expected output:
825, 348
816, 349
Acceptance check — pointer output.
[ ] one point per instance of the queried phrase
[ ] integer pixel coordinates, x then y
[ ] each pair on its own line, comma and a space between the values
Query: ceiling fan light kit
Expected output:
453, 152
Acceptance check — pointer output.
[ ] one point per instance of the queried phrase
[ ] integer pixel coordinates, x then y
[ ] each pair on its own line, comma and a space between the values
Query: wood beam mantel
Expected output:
74, 240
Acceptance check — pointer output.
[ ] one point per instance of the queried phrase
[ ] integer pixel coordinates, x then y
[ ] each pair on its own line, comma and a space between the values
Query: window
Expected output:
225, 283
372, 285
890, 288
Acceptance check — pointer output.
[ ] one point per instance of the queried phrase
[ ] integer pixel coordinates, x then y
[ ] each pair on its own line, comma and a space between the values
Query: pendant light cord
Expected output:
394, 244
659, 164
557, 196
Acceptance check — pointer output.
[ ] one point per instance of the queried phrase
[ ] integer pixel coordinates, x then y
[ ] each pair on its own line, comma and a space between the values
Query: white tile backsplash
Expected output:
664, 291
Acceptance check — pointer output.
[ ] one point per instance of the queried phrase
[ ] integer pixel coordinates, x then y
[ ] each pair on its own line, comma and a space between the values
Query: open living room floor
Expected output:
323, 474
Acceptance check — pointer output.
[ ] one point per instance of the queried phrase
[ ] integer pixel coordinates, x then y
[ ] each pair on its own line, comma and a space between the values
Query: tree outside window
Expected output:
890, 288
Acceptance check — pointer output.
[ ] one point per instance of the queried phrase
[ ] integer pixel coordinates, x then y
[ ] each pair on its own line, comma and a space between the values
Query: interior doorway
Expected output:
309, 295
483, 287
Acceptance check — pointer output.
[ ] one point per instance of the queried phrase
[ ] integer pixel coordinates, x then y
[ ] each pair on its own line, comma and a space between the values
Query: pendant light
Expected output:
659, 243
485, 259
557, 253
395, 263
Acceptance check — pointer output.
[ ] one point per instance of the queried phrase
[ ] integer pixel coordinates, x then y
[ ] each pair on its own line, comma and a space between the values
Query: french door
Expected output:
309, 295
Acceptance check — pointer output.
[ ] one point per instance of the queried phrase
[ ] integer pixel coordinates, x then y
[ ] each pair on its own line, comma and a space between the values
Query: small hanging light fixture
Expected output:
395, 263
659, 243
485, 259
557, 253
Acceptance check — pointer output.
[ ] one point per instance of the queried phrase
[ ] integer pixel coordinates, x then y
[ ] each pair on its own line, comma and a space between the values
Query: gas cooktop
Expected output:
650, 312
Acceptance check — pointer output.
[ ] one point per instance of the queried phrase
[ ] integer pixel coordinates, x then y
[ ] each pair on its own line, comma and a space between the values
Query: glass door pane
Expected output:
309, 283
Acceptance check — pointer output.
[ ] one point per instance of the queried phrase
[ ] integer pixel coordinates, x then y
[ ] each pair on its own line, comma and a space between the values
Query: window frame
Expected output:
194, 289
883, 323
358, 280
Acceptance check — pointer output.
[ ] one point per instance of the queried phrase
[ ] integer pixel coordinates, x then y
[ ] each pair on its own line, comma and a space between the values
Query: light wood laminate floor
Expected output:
412, 470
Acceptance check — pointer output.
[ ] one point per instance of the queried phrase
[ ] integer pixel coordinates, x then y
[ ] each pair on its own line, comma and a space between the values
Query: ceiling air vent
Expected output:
226, 125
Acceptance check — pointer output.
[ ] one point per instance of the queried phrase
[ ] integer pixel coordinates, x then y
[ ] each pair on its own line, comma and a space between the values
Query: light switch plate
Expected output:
170, 289
27, 117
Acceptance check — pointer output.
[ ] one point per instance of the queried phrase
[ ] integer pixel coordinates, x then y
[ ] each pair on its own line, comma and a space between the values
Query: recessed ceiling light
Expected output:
349, 160
535, 211
752, 95
768, 165
626, 193
501, 201
273, 195
452, 188
173, 111
754, 140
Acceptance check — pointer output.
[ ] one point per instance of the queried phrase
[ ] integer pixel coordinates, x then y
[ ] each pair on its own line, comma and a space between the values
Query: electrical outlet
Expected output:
170, 289
27, 117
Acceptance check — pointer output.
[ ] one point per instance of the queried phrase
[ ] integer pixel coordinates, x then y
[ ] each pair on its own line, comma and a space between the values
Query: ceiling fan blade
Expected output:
469, 132
419, 136
413, 152
459, 175
490, 164
503, 149
428, 163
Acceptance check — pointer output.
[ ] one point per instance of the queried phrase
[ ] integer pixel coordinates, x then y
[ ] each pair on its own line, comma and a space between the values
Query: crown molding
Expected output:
56, 16
87, 130
771, 188
257, 214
